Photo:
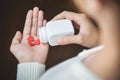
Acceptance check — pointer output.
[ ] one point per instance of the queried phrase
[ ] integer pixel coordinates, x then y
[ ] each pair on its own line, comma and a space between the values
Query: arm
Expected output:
106, 14
88, 35
105, 62
31, 58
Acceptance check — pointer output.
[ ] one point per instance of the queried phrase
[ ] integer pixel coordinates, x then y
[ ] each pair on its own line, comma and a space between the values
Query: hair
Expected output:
114, 1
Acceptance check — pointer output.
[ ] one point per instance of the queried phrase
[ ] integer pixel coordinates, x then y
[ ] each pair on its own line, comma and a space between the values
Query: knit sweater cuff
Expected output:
30, 71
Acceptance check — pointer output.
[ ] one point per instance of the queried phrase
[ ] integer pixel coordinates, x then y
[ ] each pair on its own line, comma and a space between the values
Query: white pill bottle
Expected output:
55, 29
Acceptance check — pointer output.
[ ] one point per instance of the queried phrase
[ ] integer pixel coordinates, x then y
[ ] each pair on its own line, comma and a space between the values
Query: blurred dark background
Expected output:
12, 17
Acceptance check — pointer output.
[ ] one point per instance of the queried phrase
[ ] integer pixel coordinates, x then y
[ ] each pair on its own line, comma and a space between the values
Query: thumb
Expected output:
74, 39
17, 38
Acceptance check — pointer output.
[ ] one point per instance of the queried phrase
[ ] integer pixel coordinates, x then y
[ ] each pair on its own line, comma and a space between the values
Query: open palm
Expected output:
20, 48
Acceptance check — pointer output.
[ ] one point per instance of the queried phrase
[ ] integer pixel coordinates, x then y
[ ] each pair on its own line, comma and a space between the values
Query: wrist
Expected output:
31, 60
97, 40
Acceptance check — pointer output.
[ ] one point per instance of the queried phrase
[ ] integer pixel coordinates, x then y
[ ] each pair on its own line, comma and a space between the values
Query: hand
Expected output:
88, 33
20, 48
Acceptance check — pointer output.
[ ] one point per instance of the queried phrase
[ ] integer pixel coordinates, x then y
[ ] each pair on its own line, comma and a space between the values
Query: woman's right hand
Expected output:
88, 35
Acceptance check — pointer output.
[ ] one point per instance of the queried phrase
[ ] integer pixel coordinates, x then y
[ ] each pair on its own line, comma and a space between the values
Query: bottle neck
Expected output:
43, 35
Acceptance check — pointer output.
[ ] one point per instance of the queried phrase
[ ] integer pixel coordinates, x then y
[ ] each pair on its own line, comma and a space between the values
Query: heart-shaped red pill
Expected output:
30, 38
31, 43
37, 42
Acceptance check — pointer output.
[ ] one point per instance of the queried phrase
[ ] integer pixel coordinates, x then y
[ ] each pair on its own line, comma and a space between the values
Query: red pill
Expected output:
30, 43
37, 42
30, 38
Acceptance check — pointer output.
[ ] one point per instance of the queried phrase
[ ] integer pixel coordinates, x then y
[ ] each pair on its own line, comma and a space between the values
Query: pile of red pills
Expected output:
32, 41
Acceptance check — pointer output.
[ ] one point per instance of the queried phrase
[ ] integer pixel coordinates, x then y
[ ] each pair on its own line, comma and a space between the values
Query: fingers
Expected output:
40, 18
17, 38
75, 17
28, 23
74, 39
44, 22
66, 15
35, 21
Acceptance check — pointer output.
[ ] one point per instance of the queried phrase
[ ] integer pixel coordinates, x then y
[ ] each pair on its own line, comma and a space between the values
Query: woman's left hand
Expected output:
20, 48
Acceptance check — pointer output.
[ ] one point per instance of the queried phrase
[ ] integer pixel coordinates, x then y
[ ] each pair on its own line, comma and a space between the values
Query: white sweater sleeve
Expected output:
30, 71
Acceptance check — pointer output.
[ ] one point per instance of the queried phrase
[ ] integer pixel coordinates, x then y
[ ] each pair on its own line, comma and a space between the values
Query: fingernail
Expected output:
36, 8
18, 32
41, 11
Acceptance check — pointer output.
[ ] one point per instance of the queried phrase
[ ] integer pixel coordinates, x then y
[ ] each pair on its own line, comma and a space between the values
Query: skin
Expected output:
107, 17
88, 33
20, 48
104, 63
